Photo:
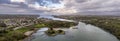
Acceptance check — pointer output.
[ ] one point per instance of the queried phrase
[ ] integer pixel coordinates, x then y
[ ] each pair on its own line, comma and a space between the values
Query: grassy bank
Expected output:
17, 35
56, 24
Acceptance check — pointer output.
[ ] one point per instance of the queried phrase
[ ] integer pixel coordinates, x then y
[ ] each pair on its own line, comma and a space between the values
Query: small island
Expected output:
52, 32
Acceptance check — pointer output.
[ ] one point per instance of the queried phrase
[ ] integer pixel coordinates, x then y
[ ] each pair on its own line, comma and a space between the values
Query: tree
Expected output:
4, 26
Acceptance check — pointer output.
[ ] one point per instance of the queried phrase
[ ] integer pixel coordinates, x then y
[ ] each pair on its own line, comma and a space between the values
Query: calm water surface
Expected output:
85, 32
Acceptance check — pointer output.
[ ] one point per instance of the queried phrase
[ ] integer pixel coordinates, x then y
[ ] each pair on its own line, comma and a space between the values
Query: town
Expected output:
19, 27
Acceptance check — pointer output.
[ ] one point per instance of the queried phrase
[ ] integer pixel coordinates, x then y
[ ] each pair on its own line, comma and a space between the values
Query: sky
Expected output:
60, 7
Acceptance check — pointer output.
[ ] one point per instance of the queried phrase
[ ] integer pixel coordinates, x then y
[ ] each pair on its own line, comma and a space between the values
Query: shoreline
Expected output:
107, 23
30, 34
29, 37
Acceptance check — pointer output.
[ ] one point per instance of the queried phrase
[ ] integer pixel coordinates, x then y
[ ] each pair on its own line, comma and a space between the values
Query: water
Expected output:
53, 18
85, 32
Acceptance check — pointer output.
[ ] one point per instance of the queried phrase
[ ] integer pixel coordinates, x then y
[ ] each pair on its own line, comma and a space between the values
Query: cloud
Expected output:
17, 9
17, 0
54, 6
4, 1
92, 5
67, 6
100, 7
